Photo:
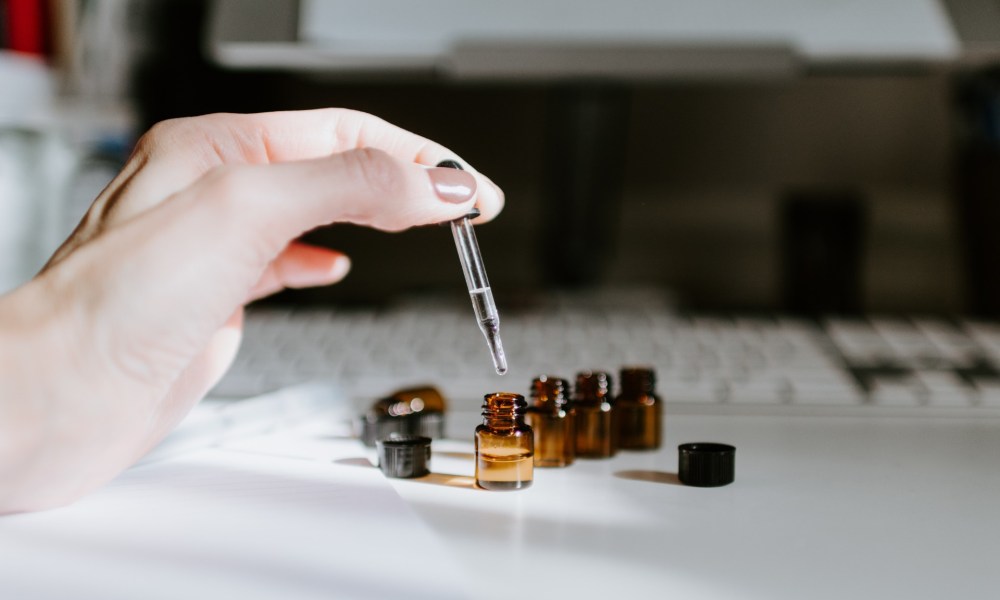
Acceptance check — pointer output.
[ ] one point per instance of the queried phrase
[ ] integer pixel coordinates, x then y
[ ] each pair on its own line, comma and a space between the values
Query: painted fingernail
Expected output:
340, 267
452, 185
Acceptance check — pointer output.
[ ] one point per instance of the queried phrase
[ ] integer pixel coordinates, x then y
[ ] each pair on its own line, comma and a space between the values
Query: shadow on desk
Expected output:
651, 476
444, 479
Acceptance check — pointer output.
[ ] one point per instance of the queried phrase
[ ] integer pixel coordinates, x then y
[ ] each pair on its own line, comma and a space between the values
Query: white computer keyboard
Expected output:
890, 366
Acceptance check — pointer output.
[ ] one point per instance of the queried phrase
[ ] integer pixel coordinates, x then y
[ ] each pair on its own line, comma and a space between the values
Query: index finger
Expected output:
176, 153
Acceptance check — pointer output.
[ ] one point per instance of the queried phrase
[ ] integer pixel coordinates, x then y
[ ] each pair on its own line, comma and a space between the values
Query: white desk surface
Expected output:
822, 507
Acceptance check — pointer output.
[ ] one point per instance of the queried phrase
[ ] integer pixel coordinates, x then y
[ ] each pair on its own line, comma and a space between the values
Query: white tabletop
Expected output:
822, 507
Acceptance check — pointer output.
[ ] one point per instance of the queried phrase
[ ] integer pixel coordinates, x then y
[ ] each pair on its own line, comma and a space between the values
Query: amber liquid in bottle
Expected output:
552, 419
640, 410
596, 432
504, 444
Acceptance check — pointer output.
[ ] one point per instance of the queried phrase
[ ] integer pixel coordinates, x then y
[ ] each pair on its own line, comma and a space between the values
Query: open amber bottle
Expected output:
551, 418
595, 425
504, 444
639, 410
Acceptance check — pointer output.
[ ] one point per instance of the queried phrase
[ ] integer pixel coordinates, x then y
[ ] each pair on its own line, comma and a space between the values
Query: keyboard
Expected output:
704, 364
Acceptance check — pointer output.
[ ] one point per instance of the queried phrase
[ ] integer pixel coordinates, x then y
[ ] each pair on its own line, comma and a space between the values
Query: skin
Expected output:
140, 312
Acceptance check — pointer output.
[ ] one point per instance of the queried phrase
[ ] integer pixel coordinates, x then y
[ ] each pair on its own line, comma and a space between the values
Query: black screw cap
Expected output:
404, 456
705, 464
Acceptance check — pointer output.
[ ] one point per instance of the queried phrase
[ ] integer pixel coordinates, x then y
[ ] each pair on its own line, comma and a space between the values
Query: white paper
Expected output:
291, 517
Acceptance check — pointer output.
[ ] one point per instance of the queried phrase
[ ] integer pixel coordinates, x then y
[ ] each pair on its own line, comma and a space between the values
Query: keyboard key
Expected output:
705, 360
897, 391
945, 388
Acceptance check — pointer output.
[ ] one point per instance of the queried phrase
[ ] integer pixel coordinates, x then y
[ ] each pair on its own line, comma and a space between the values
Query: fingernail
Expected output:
340, 267
452, 185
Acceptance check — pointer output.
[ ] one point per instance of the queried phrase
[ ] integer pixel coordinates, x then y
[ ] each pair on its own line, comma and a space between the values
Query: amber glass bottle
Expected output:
595, 430
504, 444
639, 410
551, 418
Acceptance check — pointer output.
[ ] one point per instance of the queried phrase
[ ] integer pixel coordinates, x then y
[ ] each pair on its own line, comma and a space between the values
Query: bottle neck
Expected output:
638, 381
504, 410
593, 386
549, 393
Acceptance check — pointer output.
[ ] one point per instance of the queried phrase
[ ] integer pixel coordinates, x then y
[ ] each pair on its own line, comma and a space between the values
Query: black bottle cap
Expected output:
705, 464
404, 456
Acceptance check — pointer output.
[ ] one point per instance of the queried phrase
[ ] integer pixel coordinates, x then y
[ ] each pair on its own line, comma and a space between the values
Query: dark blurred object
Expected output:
978, 188
823, 249
586, 137
412, 411
173, 78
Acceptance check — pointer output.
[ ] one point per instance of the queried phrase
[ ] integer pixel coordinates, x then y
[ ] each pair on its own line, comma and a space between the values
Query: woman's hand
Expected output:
139, 313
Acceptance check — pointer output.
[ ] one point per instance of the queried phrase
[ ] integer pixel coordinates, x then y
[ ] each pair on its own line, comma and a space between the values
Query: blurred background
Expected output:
761, 156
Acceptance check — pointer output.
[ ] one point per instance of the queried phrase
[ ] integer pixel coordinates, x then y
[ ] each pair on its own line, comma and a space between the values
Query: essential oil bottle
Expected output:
596, 434
639, 410
551, 418
504, 444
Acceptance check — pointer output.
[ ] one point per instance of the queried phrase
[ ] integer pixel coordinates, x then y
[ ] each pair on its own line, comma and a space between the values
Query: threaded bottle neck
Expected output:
549, 393
593, 385
638, 381
503, 410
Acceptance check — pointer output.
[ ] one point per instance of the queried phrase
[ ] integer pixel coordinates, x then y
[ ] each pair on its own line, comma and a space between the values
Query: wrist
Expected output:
30, 401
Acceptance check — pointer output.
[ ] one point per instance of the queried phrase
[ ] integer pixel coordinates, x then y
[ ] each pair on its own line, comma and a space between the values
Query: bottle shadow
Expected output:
442, 479
650, 476
448, 480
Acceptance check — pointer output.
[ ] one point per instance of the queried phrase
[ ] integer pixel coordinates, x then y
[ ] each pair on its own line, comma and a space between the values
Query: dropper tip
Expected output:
496, 349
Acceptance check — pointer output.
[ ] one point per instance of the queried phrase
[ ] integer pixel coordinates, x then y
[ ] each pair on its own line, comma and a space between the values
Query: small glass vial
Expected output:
595, 426
639, 410
551, 418
504, 444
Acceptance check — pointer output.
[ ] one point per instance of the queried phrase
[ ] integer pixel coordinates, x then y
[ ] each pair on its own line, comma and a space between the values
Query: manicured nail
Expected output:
340, 267
452, 185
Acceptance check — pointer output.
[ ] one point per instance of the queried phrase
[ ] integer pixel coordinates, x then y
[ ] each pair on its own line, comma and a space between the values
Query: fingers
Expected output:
194, 382
282, 134
197, 257
301, 265
176, 153
214, 241
365, 187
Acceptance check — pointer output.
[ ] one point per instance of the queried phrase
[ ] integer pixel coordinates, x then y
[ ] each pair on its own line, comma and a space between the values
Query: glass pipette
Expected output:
475, 278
